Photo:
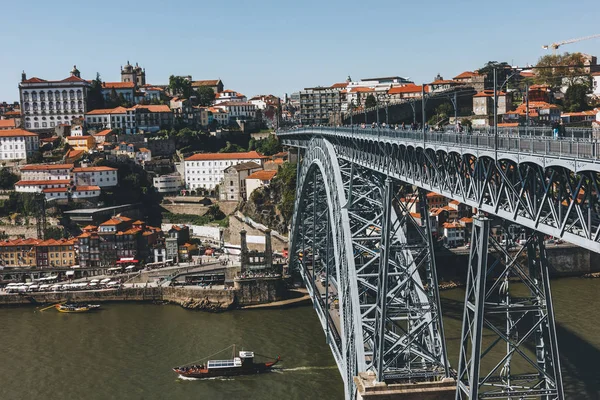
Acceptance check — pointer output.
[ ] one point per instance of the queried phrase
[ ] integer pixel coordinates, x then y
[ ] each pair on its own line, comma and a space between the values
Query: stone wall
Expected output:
259, 290
248, 292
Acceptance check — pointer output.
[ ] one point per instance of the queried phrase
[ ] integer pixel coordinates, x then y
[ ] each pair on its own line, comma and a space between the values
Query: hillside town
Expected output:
93, 172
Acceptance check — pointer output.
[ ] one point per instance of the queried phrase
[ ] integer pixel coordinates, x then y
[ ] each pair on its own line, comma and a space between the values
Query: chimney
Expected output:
23, 76
244, 252
268, 250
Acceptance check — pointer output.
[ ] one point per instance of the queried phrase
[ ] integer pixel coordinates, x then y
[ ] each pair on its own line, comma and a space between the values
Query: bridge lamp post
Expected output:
515, 72
377, 108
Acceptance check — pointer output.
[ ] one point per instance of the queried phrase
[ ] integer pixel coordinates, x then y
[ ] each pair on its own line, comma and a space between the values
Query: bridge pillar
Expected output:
514, 323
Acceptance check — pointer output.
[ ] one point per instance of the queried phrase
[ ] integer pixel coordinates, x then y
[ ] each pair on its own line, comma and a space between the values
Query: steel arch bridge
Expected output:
354, 239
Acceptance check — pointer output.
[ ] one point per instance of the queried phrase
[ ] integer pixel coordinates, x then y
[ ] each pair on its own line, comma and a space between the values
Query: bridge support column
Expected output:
514, 323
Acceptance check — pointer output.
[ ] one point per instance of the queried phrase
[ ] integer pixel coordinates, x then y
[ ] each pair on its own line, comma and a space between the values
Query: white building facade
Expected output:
18, 144
95, 176
206, 170
46, 104
238, 110
44, 172
167, 183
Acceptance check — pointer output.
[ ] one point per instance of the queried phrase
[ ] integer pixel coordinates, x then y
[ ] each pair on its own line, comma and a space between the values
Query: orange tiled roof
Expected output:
340, 85
111, 222
410, 88
86, 188
362, 90
118, 85
152, 108
224, 156
263, 175
8, 123
102, 111
452, 225
445, 82
466, 220
466, 75
45, 167
210, 82
488, 93
93, 169
16, 133
104, 132
15, 113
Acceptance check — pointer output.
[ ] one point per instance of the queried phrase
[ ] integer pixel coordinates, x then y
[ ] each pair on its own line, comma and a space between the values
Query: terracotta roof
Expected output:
93, 169
15, 113
415, 215
233, 103
55, 190
263, 175
138, 222
144, 150
362, 90
34, 80
44, 183
455, 202
111, 222
489, 93
90, 227
467, 74
224, 156
102, 111
73, 78
340, 85
8, 123
74, 153
527, 74
45, 167
433, 194
86, 188
508, 124
210, 82
104, 132
152, 108
118, 85
149, 87
16, 133
466, 220
410, 88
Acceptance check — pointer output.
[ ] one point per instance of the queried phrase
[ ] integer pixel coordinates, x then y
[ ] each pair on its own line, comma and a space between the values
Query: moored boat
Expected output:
242, 365
76, 308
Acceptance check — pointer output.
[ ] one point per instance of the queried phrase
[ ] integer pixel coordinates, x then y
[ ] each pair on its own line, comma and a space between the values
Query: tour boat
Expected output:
242, 365
76, 308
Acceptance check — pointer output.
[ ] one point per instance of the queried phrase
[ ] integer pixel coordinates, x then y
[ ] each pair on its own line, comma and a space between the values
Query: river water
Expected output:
126, 351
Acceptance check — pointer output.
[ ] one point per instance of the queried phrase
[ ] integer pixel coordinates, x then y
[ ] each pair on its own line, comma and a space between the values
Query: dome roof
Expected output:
128, 67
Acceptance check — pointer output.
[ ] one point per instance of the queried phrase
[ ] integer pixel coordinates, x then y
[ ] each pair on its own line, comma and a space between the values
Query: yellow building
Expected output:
18, 253
85, 143
38, 253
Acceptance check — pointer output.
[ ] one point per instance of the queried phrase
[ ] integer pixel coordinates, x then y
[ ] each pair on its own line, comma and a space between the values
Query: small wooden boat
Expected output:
242, 365
76, 308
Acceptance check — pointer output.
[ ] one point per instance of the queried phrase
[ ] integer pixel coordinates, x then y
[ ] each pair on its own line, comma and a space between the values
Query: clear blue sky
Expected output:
267, 46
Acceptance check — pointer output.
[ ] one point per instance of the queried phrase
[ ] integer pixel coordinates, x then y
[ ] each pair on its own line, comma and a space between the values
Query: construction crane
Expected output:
555, 46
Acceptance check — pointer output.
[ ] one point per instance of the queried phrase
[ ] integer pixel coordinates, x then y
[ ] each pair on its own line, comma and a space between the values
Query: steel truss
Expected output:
350, 229
519, 357
556, 197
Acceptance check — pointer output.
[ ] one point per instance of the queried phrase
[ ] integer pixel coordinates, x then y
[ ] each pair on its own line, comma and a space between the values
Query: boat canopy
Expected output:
105, 280
225, 363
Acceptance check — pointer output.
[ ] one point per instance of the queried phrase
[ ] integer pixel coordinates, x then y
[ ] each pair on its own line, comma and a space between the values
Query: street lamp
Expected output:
515, 72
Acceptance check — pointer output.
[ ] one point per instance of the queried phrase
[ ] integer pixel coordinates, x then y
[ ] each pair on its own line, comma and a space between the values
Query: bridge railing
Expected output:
539, 141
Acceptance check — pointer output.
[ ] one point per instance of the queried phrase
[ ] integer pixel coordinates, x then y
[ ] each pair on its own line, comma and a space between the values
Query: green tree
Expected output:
7, 179
370, 101
205, 96
53, 232
180, 86
558, 70
113, 99
95, 98
503, 70
231, 148
269, 146
576, 98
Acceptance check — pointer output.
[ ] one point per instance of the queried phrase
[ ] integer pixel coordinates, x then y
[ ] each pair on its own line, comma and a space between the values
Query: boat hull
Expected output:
202, 373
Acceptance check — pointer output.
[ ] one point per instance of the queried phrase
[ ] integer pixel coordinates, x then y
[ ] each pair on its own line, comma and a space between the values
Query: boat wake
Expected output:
301, 369
214, 378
